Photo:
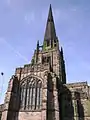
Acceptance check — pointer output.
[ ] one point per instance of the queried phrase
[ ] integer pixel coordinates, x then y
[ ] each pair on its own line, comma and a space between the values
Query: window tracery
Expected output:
31, 94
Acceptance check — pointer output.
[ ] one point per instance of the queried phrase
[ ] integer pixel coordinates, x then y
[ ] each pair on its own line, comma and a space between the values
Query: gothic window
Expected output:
27, 97
55, 43
48, 43
23, 90
31, 94
37, 95
46, 59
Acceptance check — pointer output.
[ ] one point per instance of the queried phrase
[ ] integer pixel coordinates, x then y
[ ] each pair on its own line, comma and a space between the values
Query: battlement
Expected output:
81, 88
32, 68
77, 84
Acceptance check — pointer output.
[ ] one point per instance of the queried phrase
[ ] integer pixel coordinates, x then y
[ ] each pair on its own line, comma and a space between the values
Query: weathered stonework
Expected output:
29, 116
45, 79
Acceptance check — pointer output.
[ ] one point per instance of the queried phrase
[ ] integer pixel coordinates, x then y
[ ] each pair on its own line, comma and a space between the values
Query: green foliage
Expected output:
45, 47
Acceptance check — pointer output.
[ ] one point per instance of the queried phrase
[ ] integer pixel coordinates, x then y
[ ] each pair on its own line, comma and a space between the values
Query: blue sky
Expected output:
23, 22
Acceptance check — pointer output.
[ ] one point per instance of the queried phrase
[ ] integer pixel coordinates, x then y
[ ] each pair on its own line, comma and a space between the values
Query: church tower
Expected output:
32, 92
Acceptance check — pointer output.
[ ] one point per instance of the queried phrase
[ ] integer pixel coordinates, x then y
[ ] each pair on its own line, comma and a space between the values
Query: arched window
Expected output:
31, 94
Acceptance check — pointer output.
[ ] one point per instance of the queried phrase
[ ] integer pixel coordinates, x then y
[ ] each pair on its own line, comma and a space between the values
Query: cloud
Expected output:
17, 53
29, 17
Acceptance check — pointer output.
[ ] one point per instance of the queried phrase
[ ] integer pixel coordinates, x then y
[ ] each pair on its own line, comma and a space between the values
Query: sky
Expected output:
23, 22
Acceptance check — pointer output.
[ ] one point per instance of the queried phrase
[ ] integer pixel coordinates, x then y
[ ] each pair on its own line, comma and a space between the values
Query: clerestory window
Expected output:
31, 94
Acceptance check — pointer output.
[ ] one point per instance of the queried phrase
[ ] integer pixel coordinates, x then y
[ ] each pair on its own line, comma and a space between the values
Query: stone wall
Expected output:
80, 101
29, 116
38, 68
1, 109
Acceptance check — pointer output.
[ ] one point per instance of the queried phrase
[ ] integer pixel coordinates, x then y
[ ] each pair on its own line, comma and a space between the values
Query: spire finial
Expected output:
61, 50
50, 16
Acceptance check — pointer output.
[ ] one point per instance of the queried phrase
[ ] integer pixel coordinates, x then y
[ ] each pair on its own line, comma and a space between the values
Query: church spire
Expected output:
50, 15
50, 32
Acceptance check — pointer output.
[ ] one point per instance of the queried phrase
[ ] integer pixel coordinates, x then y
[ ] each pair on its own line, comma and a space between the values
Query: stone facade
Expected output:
76, 101
39, 90
1, 110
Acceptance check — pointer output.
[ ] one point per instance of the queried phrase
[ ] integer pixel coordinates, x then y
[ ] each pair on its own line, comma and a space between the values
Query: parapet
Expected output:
32, 68
77, 84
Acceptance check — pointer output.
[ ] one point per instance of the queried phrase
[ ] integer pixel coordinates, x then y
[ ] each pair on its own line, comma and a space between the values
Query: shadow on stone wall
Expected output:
50, 99
80, 109
67, 109
1, 110
0, 116
65, 103
14, 100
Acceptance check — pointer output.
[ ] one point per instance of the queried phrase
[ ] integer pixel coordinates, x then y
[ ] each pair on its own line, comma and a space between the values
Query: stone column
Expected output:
44, 98
56, 103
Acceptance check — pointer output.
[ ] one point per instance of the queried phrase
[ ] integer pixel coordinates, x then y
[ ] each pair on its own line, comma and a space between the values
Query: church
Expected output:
39, 91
